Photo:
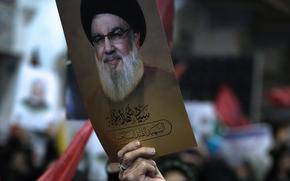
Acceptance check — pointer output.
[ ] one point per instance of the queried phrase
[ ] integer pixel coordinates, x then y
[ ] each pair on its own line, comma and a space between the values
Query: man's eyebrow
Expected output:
117, 28
114, 29
95, 35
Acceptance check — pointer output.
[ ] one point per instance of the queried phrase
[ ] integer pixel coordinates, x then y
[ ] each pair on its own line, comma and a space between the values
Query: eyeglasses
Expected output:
115, 36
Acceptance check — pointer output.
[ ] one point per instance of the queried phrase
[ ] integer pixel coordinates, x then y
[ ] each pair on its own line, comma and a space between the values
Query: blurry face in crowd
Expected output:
174, 175
116, 54
37, 89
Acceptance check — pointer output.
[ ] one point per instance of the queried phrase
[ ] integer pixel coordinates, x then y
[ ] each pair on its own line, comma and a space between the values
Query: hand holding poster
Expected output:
125, 74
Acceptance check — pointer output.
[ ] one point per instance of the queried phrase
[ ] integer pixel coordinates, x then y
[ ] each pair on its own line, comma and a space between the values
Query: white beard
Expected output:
118, 84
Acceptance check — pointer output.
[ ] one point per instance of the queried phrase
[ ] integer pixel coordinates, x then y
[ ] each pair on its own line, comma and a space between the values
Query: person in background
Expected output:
280, 170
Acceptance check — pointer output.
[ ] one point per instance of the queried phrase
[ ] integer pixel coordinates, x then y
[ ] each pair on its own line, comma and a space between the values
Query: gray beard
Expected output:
118, 84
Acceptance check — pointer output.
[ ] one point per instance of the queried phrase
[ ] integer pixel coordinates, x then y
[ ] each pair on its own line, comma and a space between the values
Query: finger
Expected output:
143, 152
127, 148
140, 169
153, 170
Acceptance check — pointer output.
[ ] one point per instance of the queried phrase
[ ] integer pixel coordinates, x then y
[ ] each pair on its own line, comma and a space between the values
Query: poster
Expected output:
125, 74
36, 106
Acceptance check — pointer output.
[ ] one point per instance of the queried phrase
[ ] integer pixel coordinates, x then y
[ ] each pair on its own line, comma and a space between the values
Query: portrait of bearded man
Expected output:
126, 76
124, 71
120, 68
117, 34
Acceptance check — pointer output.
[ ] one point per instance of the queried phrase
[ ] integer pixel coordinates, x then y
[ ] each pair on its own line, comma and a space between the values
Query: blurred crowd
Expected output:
21, 160
19, 157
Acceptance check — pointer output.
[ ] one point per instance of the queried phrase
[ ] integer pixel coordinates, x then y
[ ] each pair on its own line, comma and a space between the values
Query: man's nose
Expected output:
109, 47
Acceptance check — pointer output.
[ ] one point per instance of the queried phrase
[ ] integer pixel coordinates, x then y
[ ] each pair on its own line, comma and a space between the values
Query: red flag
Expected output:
180, 68
280, 97
228, 108
64, 168
166, 11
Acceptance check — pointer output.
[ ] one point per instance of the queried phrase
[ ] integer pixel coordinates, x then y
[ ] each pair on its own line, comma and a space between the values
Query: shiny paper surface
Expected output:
153, 113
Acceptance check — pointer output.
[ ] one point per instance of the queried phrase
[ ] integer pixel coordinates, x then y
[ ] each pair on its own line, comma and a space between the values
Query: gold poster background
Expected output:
154, 113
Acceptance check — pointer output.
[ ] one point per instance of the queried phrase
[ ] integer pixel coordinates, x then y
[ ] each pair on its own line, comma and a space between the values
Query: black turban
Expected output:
129, 10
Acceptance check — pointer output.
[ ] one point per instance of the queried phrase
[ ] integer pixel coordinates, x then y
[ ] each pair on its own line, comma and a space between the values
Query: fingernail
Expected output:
137, 143
152, 150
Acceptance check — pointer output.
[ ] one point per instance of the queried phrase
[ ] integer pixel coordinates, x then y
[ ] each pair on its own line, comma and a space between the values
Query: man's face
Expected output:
116, 54
112, 51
